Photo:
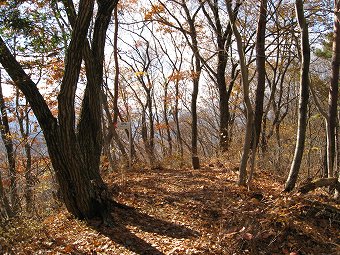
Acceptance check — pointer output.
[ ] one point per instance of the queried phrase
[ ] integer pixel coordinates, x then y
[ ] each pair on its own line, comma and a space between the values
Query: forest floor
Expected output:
185, 211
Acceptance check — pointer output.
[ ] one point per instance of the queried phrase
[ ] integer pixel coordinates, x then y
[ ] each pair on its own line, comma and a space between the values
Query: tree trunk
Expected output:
261, 71
333, 92
8, 142
322, 182
245, 85
24, 131
303, 100
75, 155
166, 119
194, 129
178, 128
4, 203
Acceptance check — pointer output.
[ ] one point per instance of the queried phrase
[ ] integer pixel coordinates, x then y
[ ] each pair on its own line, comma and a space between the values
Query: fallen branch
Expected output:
322, 182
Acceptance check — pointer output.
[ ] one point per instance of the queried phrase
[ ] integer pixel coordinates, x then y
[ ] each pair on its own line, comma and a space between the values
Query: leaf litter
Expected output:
185, 211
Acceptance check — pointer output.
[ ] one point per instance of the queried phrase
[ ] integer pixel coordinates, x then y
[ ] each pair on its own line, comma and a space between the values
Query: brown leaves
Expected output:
181, 211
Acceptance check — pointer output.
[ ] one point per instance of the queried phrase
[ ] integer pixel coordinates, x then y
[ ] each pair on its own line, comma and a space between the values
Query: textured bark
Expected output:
261, 71
303, 99
74, 153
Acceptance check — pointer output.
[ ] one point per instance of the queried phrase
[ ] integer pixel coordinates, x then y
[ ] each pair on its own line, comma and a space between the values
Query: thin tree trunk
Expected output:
194, 130
333, 92
9, 146
21, 116
250, 114
303, 100
4, 203
178, 129
166, 119
3, 198
261, 70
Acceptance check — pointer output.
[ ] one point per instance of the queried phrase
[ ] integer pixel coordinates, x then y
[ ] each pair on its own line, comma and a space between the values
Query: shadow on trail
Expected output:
128, 216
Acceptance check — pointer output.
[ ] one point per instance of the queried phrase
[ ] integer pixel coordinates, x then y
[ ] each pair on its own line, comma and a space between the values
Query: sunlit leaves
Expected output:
140, 73
155, 9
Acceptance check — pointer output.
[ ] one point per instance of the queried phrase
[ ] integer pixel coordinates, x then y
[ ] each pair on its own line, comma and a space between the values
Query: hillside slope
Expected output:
184, 211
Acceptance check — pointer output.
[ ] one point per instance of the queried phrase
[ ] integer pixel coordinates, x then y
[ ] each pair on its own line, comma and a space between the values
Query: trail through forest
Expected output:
185, 211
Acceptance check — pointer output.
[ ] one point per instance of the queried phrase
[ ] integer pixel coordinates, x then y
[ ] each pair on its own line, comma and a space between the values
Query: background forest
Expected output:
247, 86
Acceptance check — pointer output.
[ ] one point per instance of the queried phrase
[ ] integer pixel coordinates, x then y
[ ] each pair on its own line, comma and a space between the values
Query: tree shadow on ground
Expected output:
124, 216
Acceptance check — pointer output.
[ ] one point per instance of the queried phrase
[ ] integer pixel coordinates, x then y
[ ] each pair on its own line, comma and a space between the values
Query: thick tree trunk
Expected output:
303, 100
75, 155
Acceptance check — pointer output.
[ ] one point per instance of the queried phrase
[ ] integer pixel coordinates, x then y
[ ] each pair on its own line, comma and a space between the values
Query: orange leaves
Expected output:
181, 75
56, 72
155, 9
160, 126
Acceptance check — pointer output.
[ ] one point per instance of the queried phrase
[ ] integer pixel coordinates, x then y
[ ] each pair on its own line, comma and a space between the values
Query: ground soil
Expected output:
185, 211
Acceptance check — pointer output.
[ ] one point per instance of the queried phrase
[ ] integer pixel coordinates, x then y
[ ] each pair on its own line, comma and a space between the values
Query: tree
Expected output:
190, 32
223, 42
74, 149
261, 72
246, 97
333, 92
303, 98
6, 136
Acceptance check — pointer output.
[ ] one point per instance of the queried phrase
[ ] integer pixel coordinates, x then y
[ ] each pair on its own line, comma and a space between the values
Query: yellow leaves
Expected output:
3, 3
140, 73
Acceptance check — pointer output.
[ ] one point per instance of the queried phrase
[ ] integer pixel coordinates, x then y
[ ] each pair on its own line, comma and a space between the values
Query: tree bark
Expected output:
323, 182
75, 154
303, 99
9, 146
195, 73
246, 98
261, 71
333, 92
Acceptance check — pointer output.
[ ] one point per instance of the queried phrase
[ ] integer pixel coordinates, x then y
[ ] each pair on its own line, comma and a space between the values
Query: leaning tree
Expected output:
74, 142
